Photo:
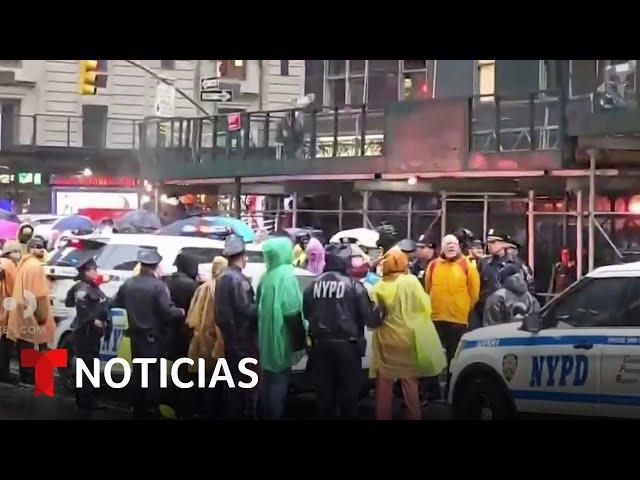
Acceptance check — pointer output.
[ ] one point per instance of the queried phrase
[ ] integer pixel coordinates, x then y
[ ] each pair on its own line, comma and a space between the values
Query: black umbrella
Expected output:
141, 220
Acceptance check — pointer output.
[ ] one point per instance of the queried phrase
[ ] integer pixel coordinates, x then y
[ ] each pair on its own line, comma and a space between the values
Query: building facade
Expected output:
46, 127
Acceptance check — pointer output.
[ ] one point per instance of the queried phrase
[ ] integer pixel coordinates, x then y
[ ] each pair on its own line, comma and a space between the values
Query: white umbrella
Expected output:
363, 236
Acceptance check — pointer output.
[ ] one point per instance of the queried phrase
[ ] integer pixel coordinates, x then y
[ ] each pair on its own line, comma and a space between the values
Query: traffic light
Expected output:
87, 77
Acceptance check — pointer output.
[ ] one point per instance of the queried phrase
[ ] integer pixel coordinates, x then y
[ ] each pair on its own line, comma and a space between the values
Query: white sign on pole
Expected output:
209, 82
165, 100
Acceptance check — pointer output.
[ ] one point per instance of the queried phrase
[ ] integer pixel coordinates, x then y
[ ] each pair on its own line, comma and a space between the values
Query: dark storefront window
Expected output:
583, 77
313, 79
94, 125
517, 77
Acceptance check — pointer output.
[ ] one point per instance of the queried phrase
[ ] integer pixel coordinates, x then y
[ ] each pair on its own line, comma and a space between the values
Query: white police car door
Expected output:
564, 359
621, 359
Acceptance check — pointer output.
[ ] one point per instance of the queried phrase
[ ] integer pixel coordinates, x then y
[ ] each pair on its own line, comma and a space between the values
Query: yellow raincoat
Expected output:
31, 283
299, 256
207, 338
407, 344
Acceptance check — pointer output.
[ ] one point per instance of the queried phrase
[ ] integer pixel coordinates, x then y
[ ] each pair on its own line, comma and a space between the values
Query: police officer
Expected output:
338, 308
91, 322
489, 269
236, 314
150, 313
527, 271
465, 238
425, 252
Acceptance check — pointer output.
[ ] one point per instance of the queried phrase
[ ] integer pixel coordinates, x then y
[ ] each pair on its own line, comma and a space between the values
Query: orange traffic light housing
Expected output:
87, 77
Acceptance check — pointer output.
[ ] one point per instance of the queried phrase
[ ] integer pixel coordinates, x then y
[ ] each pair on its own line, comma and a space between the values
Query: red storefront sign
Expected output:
94, 181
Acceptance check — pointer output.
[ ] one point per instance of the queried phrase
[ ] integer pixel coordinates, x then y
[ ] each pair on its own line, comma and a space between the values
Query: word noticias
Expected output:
221, 373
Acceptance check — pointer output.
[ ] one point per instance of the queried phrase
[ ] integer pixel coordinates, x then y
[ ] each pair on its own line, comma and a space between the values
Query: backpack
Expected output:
462, 262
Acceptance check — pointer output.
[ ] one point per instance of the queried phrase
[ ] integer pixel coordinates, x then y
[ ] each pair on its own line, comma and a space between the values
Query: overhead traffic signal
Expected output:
87, 77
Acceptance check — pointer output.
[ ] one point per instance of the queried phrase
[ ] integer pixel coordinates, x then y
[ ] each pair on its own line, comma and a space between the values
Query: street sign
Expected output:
165, 100
207, 83
217, 95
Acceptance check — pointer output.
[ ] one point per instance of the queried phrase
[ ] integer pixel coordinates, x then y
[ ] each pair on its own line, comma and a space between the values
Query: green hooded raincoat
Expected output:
278, 296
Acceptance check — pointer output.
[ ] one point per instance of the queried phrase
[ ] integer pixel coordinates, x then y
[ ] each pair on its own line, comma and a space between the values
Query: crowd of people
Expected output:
419, 298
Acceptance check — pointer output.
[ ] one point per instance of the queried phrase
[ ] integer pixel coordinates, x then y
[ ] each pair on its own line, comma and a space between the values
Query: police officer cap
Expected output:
233, 245
477, 243
407, 245
423, 242
494, 235
87, 264
512, 242
149, 256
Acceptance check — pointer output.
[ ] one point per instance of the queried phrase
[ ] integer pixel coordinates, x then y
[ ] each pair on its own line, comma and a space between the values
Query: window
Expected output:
413, 80
9, 122
11, 63
517, 77
94, 125
631, 316
206, 255
583, 77
235, 69
119, 257
486, 78
284, 68
593, 302
168, 64
382, 88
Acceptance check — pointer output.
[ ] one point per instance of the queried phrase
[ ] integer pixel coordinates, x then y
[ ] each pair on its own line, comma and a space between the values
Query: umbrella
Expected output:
211, 227
141, 219
74, 222
363, 236
8, 230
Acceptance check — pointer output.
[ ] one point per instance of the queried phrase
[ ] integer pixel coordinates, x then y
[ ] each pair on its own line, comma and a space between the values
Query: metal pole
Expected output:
485, 217
443, 208
238, 195
168, 82
340, 214
592, 205
157, 200
409, 216
565, 219
531, 229
294, 215
579, 246
365, 208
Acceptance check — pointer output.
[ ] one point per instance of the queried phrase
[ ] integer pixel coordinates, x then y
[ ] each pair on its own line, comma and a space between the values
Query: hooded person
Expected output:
406, 346
501, 304
206, 342
11, 252
182, 286
315, 256
281, 330
31, 322
25, 232
207, 339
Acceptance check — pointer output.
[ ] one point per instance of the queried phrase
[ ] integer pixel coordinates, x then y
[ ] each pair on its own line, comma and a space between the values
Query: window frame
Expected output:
582, 95
477, 84
401, 78
552, 323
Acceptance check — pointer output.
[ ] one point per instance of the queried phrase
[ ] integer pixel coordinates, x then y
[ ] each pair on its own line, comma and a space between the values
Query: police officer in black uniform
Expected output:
91, 323
236, 314
489, 269
425, 252
338, 308
150, 313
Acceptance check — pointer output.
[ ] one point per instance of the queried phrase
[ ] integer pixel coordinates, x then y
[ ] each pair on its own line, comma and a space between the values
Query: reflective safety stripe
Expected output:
575, 397
559, 340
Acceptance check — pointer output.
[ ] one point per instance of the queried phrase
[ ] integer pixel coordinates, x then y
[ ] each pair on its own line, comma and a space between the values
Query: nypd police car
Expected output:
579, 356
